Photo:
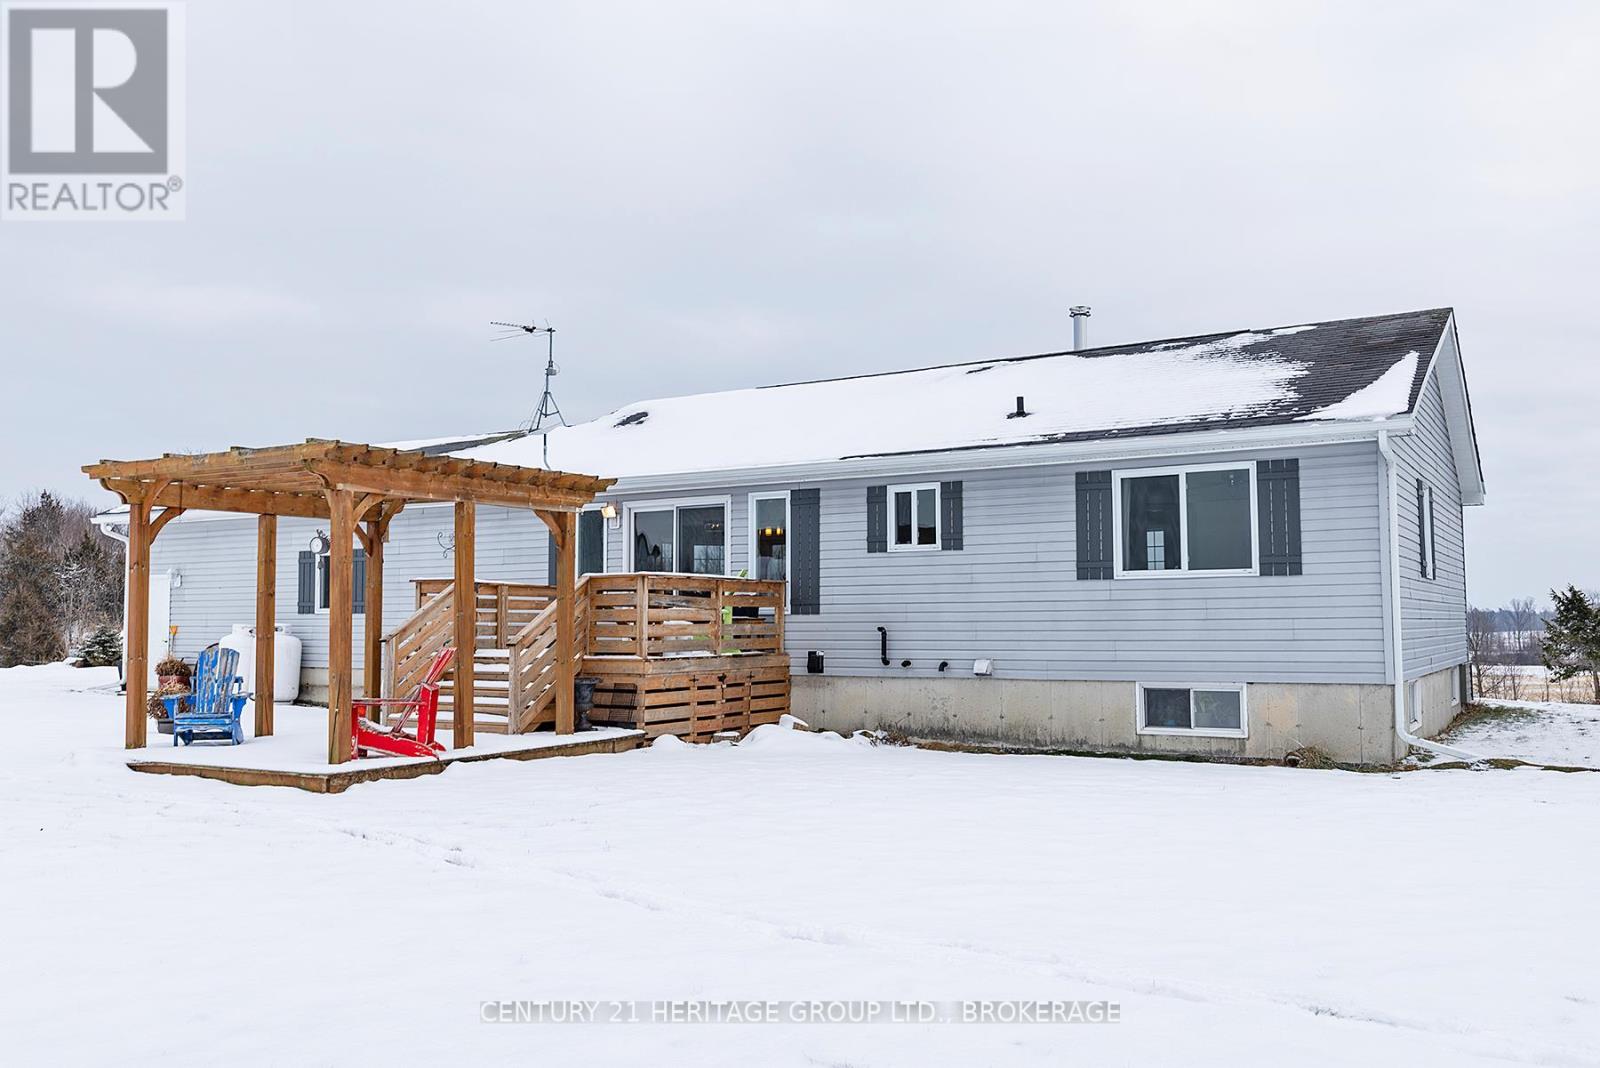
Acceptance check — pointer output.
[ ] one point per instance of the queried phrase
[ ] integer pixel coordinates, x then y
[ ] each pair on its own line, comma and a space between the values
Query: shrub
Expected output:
103, 649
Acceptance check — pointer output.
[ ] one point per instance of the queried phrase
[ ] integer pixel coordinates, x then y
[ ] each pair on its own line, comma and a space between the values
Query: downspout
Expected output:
1398, 667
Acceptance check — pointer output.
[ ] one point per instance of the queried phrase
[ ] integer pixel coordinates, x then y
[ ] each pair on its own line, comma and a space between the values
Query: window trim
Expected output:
1183, 471
317, 607
1427, 529
938, 519
661, 504
788, 520
1194, 732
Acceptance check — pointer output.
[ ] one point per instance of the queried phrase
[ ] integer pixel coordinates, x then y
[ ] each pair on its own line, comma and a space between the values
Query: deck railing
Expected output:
645, 615
661, 615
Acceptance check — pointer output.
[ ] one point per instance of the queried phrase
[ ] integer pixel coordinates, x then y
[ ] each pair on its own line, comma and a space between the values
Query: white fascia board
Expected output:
1011, 456
1446, 365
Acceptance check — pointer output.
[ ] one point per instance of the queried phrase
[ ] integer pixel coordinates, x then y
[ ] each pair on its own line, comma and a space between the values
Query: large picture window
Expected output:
689, 537
1207, 710
1192, 519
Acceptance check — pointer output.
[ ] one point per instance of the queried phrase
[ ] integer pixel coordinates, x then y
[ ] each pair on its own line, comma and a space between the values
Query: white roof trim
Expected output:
1446, 365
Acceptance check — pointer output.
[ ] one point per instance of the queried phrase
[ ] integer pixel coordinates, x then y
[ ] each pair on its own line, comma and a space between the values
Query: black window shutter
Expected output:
1094, 525
877, 519
805, 552
1422, 542
549, 559
1278, 516
358, 582
308, 582
950, 521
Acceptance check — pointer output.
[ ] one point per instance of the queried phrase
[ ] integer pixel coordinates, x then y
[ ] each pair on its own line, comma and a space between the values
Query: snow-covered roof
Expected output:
1350, 369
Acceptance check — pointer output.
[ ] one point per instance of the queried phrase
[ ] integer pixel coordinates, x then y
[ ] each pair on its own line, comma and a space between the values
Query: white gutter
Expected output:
1391, 478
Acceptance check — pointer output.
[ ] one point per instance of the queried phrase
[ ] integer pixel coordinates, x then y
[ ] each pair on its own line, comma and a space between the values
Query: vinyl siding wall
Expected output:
1010, 595
1433, 611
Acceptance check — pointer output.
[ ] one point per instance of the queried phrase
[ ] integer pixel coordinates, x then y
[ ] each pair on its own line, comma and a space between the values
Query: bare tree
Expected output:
1481, 641
1523, 615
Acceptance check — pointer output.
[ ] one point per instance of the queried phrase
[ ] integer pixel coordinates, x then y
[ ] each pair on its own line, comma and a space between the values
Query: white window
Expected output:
769, 536
1212, 711
1415, 690
1177, 520
914, 517
1455, 686
688, 536
324, 570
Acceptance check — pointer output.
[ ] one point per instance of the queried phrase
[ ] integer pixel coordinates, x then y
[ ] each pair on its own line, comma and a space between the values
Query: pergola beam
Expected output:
417, 485
219, 498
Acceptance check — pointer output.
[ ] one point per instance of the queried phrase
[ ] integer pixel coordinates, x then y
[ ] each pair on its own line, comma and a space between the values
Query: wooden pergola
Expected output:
358, 489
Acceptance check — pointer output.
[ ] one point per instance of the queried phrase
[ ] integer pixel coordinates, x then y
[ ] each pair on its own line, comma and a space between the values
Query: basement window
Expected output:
1207, 711
1177, 520
914, 517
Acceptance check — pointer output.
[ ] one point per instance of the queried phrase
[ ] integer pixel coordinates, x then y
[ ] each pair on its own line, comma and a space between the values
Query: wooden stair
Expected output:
491, 692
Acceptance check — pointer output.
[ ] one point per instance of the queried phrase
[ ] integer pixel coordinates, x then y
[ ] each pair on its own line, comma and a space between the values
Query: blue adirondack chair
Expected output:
210, 711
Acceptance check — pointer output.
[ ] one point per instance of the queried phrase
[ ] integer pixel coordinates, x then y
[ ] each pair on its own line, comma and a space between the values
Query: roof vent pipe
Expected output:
1080, 327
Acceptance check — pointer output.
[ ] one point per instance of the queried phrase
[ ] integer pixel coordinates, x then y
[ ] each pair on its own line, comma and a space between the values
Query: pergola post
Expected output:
341, 620
466, 623
377, 529
137, 658
564, 537
266, 620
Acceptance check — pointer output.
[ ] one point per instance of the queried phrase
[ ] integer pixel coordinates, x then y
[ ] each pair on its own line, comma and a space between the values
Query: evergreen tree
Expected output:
1571, 645
31, 619
104, 648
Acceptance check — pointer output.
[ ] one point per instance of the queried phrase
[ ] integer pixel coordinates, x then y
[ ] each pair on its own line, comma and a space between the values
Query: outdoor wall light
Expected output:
319, 543
608, 510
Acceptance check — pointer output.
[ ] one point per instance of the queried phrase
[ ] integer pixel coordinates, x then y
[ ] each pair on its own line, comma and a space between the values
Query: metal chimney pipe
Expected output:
1080, 327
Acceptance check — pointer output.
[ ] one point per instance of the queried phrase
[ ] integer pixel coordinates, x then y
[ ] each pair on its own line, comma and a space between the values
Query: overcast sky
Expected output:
701, 198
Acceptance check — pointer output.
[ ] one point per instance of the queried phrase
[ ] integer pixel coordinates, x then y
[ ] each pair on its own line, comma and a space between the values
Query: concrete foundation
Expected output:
1352, 723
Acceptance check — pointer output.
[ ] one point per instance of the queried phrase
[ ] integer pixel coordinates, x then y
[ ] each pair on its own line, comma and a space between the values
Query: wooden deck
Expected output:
690, 655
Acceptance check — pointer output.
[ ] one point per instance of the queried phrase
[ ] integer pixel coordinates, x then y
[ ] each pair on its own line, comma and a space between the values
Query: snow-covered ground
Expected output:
1540, 732
1237, 915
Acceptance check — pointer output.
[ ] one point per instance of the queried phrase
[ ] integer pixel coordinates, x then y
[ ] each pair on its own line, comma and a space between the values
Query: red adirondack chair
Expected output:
391, 738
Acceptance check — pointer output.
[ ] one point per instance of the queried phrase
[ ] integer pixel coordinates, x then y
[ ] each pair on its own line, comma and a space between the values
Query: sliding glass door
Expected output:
691, 538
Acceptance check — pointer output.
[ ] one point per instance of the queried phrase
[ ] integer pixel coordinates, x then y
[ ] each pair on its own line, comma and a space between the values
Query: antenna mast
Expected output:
548, 409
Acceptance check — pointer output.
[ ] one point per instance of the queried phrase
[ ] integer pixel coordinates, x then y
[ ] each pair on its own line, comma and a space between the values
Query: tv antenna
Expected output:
548, 410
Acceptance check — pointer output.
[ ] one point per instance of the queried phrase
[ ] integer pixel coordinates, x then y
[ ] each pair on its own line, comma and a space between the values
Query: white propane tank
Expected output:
285, 660
242, 640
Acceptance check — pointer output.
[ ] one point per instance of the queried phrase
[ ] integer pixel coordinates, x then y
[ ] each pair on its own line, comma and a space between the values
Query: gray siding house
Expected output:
1236, 544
